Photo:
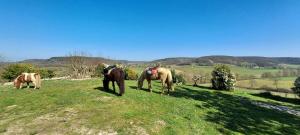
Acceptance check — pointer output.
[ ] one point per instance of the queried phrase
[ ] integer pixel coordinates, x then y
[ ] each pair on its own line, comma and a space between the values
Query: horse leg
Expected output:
113, 83
149, 85
33, 84
106, 84
27, 84
121, 87
163, 87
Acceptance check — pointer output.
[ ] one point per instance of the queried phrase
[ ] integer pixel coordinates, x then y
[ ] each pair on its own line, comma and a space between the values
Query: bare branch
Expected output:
82, 65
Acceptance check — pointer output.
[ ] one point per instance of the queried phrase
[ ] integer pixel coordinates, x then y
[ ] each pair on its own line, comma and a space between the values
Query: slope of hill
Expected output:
251, 61
62, 61
83, 107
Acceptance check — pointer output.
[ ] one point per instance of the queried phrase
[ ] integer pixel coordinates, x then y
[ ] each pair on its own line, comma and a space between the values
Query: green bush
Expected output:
12, 71
130, 74
178, 78
296, 89
46, 73
222, 78
99, 71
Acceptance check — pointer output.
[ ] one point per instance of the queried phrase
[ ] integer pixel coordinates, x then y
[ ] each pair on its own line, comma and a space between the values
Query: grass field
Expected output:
82, 107
236, 69
283, 83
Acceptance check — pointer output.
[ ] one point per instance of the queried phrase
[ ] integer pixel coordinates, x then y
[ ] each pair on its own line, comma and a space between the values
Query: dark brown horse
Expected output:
115, 75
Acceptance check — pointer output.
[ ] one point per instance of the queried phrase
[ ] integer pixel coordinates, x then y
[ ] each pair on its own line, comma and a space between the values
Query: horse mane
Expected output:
17, 81
141, 79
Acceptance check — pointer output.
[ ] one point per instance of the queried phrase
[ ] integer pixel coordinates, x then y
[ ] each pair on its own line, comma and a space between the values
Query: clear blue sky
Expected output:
149, 29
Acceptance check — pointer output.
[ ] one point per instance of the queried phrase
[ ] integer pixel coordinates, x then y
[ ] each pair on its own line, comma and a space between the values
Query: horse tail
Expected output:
140, 81
38, 80
170, 81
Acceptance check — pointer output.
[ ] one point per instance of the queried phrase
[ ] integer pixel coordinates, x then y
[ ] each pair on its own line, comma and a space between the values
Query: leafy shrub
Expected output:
296, 89
98, 71
130, 74
12, 71
222, 78
46, 73
178, 78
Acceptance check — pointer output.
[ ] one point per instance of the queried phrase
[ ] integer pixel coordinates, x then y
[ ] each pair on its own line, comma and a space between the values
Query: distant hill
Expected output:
240, 61
63, 61
252, 61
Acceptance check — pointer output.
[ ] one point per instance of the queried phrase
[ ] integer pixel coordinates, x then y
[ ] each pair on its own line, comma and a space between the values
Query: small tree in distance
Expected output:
80, 65
222, 78
296, 89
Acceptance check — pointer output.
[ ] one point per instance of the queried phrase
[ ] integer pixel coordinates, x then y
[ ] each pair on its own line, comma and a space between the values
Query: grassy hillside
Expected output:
82, 107
250, 61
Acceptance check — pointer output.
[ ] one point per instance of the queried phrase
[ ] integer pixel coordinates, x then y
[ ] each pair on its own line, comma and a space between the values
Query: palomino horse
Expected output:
34, 78
156, 73
114, 74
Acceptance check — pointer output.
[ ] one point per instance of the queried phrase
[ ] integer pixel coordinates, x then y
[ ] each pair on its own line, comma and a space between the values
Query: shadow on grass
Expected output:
144, 89
269, 95
25, 87
107, 91
238, 114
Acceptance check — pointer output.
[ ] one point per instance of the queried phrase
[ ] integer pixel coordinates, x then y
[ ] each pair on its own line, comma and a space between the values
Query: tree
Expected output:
46, 73
196, 78
80, 65
296, 89
223, 78
178, 78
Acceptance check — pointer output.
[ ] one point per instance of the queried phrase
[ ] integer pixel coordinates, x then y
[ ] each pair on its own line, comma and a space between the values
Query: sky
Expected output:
149, 29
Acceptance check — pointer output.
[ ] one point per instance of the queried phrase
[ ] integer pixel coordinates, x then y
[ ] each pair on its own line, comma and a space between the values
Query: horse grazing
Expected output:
114, 74
156, 73
34, 78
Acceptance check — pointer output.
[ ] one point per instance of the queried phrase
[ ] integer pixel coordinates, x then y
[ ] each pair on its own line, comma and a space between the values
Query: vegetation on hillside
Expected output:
11, 71
130, 74
223, 78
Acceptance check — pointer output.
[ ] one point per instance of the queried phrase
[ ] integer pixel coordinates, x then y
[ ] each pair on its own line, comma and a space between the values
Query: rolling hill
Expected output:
250, 61
203, 61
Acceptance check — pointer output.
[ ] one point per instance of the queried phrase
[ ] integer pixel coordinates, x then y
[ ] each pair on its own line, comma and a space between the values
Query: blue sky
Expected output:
149, 29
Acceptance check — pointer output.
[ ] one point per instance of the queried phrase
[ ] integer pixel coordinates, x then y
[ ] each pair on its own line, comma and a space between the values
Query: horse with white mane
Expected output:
156, 73
27, 78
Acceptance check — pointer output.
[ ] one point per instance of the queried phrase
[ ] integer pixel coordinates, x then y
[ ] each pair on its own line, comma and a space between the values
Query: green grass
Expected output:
81, 107
236, 69
283, 83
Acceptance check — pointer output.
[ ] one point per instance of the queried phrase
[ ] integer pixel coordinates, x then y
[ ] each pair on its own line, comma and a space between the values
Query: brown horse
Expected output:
34, 78
114, 74
156, 73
